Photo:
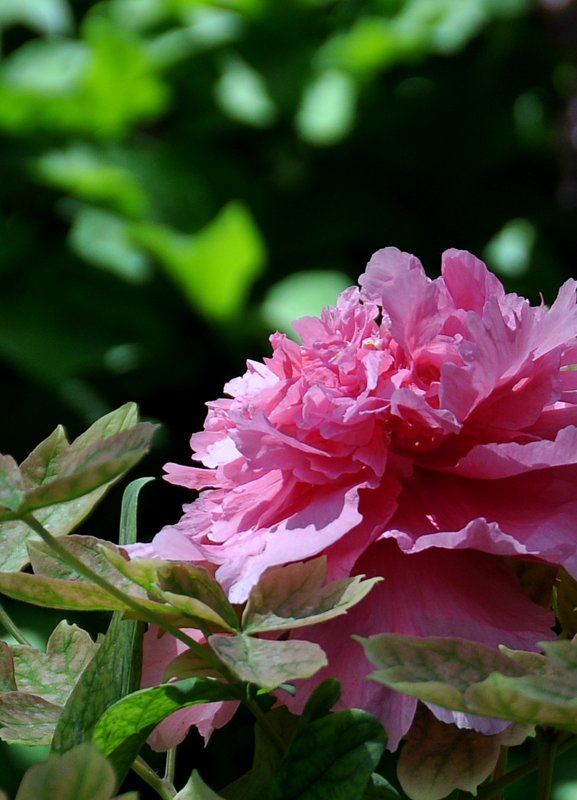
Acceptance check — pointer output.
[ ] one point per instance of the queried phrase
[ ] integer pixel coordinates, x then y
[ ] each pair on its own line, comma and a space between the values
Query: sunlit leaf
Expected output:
36, 684
55, 472
296, 595
123, 728
215, 267
195, 591
266, 662
57, 593
53, 674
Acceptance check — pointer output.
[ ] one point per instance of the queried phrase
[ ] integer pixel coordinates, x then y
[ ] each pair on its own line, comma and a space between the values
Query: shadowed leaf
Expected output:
331, 758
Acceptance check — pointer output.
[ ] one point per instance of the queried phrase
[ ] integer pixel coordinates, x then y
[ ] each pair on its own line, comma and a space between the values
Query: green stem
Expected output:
126, 599
548, 742
170, 765
163, 787
8, 623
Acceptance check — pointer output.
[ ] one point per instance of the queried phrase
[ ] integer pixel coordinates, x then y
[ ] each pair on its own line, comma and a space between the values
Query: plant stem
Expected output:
126, 599
8, 623
170, 765
547, 742
163, 787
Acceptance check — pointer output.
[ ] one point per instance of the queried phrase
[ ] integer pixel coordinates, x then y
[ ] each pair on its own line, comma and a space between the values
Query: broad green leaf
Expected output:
81, 774
53, 674
196, 583
41, 683
91, 551
212, 611
267, 754
467, 676
57, 593
55, 457
266, 662
113, 673
124, 727
98, 464
296, 595
27, 718
215, 267
115, 670
438, 758
332, 758
196, 789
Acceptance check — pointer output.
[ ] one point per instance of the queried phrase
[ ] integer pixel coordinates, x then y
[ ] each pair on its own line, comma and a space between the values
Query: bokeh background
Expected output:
179, 178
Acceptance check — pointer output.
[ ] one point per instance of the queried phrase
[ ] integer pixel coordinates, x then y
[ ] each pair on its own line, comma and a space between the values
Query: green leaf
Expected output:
380, 789
301, 294
128, 513
216, 266
53, 674
91, 551
115, 670
81, 774
41, 683
7, 676
124, 727
11, 484
330, 759
211, 612
27, 718
195, 591
266, 662
196, 789
100, 463
322, 700
466, 676
113, 673
439, 758
55, 468
295, 596
57, 593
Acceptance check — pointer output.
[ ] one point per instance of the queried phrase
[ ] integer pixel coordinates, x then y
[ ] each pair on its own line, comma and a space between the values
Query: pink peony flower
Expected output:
421, 430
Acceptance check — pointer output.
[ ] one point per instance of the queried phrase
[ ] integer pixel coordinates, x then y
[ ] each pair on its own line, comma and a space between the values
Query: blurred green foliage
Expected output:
180, 177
